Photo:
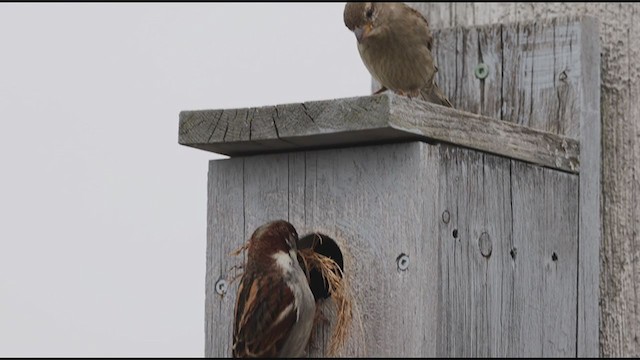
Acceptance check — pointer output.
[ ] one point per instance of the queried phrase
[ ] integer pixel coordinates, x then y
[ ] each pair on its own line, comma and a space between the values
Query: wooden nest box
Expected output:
471, 231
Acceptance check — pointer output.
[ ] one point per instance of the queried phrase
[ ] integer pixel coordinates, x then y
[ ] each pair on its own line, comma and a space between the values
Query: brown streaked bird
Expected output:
395, 42
275, 307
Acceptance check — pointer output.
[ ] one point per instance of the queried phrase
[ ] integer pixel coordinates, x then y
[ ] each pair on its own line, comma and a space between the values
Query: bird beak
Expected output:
362, 32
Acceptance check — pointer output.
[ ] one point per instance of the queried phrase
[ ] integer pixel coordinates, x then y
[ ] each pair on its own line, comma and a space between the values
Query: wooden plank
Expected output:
225, 233
371, 119
472, 301
517, 301
482, 133
346, 194
554, 68
458, 52
266, 187
243, 194
545, 236
366, 197
591, 218
477, 277
541, 62
449, 14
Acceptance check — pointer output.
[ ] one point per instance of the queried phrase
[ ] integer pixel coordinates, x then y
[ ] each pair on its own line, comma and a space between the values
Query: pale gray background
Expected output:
102, 213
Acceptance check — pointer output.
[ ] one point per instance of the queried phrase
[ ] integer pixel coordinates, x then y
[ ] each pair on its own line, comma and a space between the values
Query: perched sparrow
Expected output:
394, 42
275, 307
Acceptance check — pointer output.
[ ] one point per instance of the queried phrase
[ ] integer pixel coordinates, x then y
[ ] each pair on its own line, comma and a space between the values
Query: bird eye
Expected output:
370, 12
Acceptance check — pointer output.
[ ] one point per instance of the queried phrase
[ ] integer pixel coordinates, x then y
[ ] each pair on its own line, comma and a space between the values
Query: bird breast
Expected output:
397, 64
295, 278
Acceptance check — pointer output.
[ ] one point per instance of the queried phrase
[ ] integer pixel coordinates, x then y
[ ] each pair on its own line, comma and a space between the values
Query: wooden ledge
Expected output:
369, 120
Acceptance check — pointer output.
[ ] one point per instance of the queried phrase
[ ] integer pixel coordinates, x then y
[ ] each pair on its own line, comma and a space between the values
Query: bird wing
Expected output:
423, 23
265, 313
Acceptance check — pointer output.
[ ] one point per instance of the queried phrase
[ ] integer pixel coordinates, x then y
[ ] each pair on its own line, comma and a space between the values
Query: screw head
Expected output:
481, 71
403, 262
221, 286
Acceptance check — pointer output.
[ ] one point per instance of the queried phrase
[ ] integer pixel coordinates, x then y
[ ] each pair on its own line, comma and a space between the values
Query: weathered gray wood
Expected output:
476, 304
370, 119
345, 193
515, 300
541, 63
551, 70
225, 220
457, 52
619, 321
266, 188
482, 133
545, 236
590, 204
457, 298
367, 197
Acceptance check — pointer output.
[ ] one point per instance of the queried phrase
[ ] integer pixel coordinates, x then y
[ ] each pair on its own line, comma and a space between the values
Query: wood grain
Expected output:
476, 292
346, 194
545, 236
535, 70
483, 133
370, 119
515, 301
225, 233
378, 202
551, 72
372, 200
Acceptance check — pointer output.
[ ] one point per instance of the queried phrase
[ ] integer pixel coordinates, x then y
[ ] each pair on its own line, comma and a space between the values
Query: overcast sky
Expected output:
102, 213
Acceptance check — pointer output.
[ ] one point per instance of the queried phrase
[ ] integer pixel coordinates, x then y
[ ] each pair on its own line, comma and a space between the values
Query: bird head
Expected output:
272, 238
361, 18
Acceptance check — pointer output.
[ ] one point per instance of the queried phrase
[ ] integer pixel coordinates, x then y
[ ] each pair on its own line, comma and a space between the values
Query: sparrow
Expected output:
275, 308
395, 42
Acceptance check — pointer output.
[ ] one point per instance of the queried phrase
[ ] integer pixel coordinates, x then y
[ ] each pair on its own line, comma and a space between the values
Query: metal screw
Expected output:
481, 71
221, 286
403, 262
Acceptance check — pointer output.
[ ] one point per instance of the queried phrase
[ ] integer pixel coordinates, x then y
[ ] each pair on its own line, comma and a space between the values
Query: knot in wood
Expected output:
486, 247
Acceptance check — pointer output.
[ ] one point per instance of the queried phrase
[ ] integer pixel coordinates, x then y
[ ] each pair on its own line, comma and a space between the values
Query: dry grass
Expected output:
339, 292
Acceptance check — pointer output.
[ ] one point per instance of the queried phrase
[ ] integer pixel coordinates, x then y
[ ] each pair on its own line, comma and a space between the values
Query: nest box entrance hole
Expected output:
323, 245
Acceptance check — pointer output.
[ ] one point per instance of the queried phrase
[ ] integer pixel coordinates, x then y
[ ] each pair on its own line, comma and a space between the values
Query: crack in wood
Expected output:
274, 121
216, 125
251, 121
304, 108
235, 116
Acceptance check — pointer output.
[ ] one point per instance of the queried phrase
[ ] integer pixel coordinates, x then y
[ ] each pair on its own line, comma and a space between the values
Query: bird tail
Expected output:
435, 95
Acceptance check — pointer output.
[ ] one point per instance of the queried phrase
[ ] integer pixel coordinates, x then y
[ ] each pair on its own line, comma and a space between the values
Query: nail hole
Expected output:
324, 245
446, 216
403, 262
455, 233
513, 253
554, 257
486, 247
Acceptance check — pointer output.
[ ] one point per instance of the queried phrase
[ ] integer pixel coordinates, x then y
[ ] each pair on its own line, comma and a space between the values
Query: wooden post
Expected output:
489, 213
